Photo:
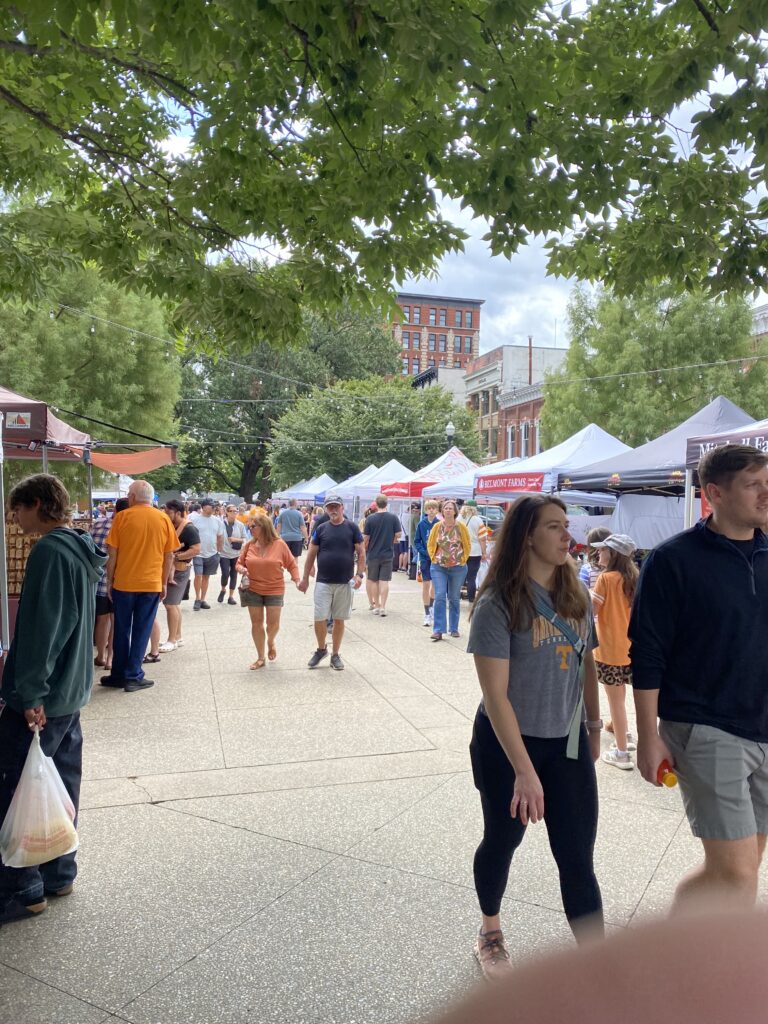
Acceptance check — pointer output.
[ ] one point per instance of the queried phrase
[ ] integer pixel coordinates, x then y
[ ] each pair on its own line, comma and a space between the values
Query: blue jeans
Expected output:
134, 615
62, 740
447, 582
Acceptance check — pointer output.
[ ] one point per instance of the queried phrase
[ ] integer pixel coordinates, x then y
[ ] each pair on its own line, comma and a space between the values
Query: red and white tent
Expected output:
449, 464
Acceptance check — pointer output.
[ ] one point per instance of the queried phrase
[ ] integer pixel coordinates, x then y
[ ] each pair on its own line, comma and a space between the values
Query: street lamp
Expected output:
450, 432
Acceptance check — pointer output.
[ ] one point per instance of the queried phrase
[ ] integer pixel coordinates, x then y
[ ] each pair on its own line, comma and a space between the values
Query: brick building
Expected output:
436, 330
504, 389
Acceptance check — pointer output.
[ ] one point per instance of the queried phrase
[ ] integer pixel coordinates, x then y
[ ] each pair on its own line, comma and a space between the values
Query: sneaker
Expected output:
118, 684
15, 910
337, 663
623, 761
427, 619
317, 657
196, 606
383, 614
64, 891
138, 684
167, 647
180, 641
631, 743
204, 604
493, 956
376, 610
220, 598
231, 600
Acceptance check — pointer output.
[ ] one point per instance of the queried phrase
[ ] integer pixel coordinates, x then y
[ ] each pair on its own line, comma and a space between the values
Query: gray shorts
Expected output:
175, 590
206, 566
250, 599
379, 569
723, 780
332, 601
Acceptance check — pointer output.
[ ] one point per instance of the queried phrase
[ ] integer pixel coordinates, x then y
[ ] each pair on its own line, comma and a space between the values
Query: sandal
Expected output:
436, 636
272, 653
151, 659
99, 663
258, 664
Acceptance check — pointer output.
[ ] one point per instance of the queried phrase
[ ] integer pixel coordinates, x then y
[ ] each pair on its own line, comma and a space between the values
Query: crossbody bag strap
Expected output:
580, 648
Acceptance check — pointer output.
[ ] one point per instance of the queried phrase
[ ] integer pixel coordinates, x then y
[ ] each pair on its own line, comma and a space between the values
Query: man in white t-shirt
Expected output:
212, 534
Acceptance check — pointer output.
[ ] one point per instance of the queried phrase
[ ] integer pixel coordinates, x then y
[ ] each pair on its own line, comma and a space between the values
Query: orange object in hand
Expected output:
665, 776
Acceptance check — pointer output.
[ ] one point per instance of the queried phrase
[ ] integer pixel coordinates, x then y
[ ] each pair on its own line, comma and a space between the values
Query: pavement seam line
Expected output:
648, 884
58, 988
215, 702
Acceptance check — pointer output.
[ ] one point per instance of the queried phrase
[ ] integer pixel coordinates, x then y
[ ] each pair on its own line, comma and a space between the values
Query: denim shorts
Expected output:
723, 780
206, 566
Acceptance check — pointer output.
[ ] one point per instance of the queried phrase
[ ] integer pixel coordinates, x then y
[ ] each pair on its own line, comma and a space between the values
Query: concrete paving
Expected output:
295, 844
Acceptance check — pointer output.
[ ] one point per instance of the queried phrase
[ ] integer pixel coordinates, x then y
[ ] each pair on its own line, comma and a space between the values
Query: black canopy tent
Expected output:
659, 466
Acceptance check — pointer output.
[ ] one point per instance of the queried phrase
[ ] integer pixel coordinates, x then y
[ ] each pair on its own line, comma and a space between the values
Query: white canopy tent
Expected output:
345, 489
505, 481
412, 485
368, 489
307, 489
461, 486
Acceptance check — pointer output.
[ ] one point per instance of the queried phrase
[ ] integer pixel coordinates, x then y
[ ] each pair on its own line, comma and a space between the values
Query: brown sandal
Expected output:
258, 664
272, 653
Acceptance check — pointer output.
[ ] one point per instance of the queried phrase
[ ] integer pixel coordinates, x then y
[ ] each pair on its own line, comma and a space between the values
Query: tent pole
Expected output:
45, 458
89, 476
5, 627
690, 499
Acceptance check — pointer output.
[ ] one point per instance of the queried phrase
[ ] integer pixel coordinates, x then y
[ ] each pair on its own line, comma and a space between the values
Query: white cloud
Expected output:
520, 297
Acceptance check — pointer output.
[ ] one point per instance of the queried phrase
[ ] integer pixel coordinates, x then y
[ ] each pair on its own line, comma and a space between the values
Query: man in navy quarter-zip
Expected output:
699, 628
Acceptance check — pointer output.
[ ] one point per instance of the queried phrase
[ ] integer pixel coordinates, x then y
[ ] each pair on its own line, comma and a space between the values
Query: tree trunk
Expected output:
251, 467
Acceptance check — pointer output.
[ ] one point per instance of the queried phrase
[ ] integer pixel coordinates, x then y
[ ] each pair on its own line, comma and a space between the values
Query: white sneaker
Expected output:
427, 619
631, 743
167, 647
377, 611
180, 641
623, 761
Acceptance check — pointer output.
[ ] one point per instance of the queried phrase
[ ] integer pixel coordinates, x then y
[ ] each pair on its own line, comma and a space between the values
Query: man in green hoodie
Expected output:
48, 672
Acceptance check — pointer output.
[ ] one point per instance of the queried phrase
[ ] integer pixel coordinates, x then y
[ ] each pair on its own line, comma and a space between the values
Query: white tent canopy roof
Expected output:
368, 489
307, 489
346, 487
448, 464
460, 486
503, 481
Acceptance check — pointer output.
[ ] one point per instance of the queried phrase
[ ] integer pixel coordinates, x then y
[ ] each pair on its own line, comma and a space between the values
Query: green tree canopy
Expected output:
611, 337
342, 431
87, 364
322, 134
228, 406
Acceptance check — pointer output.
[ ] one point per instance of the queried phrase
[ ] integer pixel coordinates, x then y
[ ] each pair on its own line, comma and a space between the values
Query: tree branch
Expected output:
706, 16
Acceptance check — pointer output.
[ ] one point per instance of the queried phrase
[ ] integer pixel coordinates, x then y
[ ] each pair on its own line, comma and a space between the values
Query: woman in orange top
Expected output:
613, 594
262, 561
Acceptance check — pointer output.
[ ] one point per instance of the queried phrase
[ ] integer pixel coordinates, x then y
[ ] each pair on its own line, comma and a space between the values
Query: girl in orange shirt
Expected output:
613, 593
263, 560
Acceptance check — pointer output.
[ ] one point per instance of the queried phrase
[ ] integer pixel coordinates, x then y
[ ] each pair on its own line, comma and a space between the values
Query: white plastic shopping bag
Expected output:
482, 572
39, 825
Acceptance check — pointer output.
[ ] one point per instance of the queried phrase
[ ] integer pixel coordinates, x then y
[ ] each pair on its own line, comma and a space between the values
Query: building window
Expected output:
415, 339
457, 318
432, 342
432, 317
537, 425
405, 366
494, 438
406, 339
485, 403
468, 345
431, 363
442, 360
416, 315
443, 317
524, 436
511, 441
415, 366
443, 343
467, 317
457, 344
407, 314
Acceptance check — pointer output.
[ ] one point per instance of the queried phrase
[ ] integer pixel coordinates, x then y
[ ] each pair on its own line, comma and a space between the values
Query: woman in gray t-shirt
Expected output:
532, 756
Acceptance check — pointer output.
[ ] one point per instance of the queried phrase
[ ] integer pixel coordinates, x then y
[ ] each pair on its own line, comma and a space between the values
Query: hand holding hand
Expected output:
303, 586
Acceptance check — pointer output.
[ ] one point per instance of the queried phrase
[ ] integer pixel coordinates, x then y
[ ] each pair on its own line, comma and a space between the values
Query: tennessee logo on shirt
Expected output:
544, 633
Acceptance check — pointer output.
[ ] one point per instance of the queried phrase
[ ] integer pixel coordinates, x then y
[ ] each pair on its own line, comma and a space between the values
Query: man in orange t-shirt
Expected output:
140, 543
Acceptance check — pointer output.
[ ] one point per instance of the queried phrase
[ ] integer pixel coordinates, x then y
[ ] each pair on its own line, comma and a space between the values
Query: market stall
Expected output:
505, 481
755, 434
447, 465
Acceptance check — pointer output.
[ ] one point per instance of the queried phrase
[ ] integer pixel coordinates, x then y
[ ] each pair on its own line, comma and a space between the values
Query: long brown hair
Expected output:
624, 565
508, 573
268, 532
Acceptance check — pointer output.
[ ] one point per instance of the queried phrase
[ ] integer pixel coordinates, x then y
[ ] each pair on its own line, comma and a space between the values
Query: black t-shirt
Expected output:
336, 555
381, 528
189, 536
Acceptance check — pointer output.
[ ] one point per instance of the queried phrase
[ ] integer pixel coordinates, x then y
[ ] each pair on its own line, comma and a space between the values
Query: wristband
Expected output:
595, 726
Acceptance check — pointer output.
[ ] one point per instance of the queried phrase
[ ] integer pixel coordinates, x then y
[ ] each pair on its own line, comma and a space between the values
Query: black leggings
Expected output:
228, 571
473, 564
570, 817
